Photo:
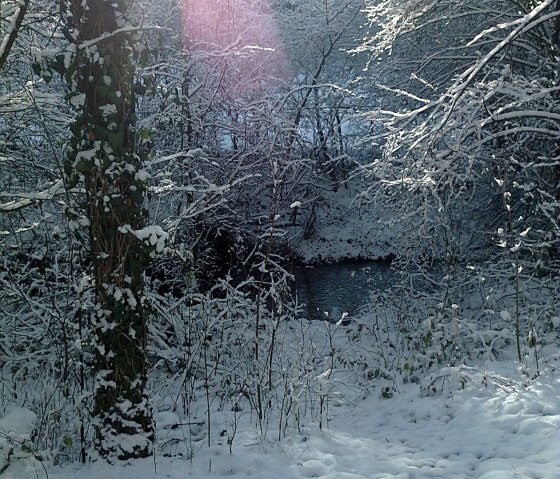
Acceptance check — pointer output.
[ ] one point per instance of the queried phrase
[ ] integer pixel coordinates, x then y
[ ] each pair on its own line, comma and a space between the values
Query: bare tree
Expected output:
467, 92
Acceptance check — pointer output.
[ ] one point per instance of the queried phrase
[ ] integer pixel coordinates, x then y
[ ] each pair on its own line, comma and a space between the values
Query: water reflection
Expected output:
332, 289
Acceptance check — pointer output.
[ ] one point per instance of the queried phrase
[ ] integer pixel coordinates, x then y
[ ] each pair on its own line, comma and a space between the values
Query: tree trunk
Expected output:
102, 155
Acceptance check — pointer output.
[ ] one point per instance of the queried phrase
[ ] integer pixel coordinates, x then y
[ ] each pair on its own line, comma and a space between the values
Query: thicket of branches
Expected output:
468, 122
449, 110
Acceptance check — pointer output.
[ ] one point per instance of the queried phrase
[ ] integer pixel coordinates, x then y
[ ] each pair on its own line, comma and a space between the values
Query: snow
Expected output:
77, 100
345, 229
25, 199
10, 29
505, 315
15, 431
498, 426
107, 110
18, 422
152, 235
142, 175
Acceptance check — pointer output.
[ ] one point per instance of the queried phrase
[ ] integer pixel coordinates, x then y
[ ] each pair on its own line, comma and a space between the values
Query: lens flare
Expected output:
242, 35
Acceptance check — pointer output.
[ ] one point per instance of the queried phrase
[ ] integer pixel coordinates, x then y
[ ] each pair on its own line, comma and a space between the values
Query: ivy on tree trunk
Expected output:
99, 74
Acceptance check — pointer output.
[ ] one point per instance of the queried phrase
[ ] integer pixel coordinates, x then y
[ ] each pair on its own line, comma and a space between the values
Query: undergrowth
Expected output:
241, 354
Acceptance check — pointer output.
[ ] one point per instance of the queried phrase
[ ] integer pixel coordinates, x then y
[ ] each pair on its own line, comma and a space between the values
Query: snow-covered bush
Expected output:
243, 350
17, 428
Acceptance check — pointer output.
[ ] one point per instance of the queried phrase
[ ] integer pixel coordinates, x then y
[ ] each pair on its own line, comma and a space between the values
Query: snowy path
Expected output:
485, 433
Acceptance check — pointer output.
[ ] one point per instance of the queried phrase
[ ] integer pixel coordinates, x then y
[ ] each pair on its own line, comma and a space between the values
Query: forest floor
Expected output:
498, 425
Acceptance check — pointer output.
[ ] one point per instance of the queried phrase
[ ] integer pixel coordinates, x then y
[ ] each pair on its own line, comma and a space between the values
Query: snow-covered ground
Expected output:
344, 229
485, 422
498, 426
352, 225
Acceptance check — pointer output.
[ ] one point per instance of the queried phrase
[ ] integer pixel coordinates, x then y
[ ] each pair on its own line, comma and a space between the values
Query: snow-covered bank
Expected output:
497, 427
344, 230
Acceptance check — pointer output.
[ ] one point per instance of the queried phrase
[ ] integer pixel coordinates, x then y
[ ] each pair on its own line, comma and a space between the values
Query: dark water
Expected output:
330, 290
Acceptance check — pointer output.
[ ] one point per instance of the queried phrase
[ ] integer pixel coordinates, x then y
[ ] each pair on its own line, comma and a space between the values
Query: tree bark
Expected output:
102, 155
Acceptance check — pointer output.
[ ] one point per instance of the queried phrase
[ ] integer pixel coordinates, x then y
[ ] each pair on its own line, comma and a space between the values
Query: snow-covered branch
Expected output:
23, 200
15, 23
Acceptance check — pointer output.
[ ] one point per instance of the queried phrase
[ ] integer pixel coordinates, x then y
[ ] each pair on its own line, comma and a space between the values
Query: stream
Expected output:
329, 290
